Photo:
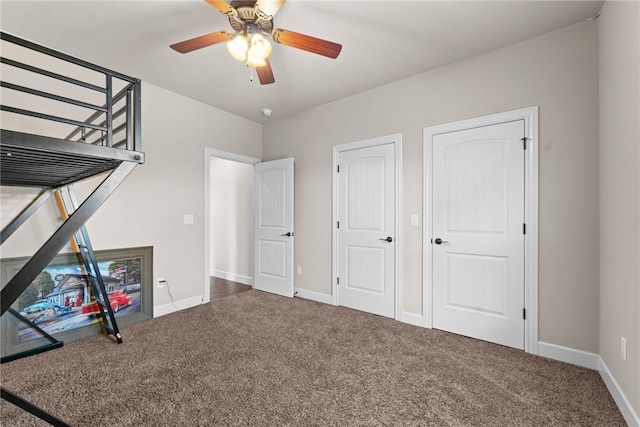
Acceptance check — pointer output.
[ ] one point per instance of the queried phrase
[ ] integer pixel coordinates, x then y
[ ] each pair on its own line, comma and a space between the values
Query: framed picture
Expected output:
59, 300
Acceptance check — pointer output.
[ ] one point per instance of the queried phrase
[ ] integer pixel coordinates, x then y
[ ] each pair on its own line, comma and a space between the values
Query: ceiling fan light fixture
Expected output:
260, 47
253, 49
238, 47
255, 61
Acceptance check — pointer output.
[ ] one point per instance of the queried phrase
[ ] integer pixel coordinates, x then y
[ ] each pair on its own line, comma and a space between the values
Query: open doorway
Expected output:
229, 224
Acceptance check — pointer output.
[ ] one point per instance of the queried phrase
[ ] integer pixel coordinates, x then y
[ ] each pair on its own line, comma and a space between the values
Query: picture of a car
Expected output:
39, 305
118, 299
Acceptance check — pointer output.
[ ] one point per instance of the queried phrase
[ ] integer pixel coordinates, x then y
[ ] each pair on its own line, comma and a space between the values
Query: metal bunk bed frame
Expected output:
41, 161
52, 163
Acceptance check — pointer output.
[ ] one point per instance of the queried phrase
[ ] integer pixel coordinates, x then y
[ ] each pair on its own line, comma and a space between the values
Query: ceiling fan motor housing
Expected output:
245, 17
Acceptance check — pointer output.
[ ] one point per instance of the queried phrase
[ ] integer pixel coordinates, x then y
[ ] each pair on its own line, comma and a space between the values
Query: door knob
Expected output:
439, 241
287, 234
388, 239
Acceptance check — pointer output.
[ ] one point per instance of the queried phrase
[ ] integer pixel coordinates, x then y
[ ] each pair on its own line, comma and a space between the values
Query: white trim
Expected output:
530, 117
172, 307
399, 229
245, 280
625, 407
411, 318
240, 158
396, 140
592, 361
427, 250
568, 355
208, 154
313, 296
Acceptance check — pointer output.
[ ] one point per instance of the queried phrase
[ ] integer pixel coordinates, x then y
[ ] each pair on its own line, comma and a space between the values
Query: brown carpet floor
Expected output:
257, 359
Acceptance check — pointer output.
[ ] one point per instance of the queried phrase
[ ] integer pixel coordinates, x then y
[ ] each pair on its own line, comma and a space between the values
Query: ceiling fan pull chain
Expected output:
250, 73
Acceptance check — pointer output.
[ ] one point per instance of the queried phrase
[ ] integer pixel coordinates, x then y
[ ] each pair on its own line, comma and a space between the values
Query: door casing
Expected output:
396, 140
530, 117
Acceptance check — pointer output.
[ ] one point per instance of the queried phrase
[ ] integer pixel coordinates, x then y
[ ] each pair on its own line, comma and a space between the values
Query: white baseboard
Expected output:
246, 280
172, 307
568, 355
618, 396
411, 318
592, 361
313, 296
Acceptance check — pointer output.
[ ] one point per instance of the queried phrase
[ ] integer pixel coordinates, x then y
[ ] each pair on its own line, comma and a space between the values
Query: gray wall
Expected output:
558, 72
620, 193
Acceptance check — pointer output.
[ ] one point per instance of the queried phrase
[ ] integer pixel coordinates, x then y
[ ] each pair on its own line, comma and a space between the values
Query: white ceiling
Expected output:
383, 41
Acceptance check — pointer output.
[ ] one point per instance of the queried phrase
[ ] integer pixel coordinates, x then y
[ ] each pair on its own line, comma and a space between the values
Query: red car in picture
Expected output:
118, 299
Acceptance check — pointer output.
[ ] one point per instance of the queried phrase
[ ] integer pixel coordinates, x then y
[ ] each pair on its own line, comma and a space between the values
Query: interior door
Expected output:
366, 229
273, 227
478, 233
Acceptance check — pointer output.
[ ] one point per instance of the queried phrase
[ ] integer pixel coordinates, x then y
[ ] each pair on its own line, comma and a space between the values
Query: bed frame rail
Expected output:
114, 122
40, 159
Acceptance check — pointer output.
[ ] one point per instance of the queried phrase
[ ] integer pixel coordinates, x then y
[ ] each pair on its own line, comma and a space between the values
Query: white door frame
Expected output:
396, 140
530, 117
208, 154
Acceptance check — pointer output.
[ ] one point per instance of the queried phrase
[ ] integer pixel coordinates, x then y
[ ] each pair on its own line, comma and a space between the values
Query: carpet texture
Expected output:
257, 359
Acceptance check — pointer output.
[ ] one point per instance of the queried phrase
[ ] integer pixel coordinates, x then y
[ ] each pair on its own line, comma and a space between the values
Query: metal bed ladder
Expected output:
81, 244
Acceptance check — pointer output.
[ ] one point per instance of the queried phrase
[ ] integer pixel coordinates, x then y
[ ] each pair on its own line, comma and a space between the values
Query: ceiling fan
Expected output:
252, 21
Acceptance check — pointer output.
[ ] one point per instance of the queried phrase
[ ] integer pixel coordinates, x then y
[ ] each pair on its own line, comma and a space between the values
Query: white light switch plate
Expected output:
188, 219
414, 220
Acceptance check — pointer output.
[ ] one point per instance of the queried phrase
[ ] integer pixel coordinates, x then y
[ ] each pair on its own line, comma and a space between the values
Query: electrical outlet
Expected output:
161, 282
623, 348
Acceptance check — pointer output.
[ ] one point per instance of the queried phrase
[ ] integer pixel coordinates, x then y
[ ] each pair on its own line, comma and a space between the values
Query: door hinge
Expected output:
337, 280
524, 314
524, 228
338, 168
524, 142
338, 224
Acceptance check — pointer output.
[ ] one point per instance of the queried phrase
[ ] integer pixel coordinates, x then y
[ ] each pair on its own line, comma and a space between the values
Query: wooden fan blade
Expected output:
221, 5
269, 7
265, 73
308, 43
202, 41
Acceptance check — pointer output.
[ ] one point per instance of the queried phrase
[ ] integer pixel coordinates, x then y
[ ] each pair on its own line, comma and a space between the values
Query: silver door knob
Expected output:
439, 241
388, 239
